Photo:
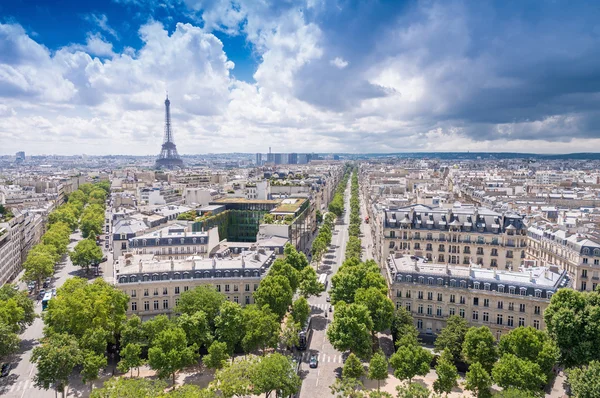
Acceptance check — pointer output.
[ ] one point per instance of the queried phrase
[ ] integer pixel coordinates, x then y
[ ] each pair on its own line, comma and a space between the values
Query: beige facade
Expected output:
501, 300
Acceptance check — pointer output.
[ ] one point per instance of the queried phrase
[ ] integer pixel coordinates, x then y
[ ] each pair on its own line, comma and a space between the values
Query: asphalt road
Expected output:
316, 382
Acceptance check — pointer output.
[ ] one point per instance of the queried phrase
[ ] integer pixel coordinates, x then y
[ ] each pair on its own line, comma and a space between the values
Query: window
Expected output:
218, 288
146, 305
165, 291
536, 324
583, 285
247, 287
247, 300
420, 295
408, 294
146, 294
255, 286
523, 291
439, 297
452, 298
133, 293
462, 300
133, 306
186, 288
511, 289
538, 293
165, 304
461, 312
236, 299
511, 306
521, 321
429, 310
155, 304
420, 309
463, 284
486, 316
429, 295
407, 306
419, 324
500, 305
452, 311
236, 288
398, 293
226, 288
438, 311
155, 293
510, 321
537, 310
521, 307
176, 289
486, 302
475, 315
475, 285
441, 258
499, 319
475, 300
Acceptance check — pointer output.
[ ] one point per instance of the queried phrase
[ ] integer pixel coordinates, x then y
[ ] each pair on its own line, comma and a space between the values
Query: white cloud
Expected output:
339, 63
102, 22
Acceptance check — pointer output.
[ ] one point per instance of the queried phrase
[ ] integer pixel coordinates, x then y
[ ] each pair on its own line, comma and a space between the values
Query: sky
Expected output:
90, 77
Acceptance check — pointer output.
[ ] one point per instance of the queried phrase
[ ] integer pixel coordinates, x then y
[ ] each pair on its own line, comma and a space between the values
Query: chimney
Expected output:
140, 265
172, 265
243, 263
531, 279
214, 263
495, 274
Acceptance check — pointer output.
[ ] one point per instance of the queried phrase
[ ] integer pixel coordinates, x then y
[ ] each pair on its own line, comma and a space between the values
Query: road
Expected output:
315, 381
19, 383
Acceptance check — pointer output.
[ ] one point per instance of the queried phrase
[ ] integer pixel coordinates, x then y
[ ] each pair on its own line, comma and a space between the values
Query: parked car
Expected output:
104, 259
328, 299
5, 370
41, 294
313, 362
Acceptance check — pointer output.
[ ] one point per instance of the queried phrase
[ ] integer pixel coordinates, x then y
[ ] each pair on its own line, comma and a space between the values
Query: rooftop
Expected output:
290, 205
171, 231
244, 200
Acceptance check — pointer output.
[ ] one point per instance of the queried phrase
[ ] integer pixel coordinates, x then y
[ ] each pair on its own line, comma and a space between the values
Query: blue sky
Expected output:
307, 75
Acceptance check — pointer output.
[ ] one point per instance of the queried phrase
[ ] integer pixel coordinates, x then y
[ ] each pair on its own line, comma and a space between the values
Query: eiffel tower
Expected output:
168, 158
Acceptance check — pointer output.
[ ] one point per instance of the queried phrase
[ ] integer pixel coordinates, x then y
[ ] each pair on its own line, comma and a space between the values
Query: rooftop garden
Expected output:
5, 214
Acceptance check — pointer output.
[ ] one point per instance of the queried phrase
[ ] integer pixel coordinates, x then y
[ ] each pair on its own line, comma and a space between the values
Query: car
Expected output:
5, 370
41, 294
313, 362
104, 259
54, 291
328, 299
331, 308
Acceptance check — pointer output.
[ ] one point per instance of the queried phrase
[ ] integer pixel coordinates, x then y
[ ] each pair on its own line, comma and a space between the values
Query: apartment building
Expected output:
154, 286
499, 299
578, 254
176, 241
457, 235
17, 236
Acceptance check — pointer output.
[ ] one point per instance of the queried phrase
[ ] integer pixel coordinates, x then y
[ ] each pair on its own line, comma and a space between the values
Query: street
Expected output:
315, 381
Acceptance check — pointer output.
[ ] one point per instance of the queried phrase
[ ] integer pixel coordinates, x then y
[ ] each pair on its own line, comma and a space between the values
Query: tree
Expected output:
300, 310
515, 393
412, 390
446, 374
530, 344
350, 329
478, 380
261, 328
129, 388
353, 247
281, 267
38, 266
189, 391
452, 336
55, 360
353, 368
478, 347
295, 258
131, 357
230, 325
187, 216
22, 301
319, 216
77, 196
58, 235
346, 388
378, 367
317, 249
354, 275
275, 291
153, 327
381, 308
512, 371
202, 298
585, 381
66, 215
94, 339
79, 304
275, 373
572, 320
309, 283
86, 253
409, 361
92, 363
196, 328
170, 353
131, 332
9, 340
235, 379
217, 356
289, 334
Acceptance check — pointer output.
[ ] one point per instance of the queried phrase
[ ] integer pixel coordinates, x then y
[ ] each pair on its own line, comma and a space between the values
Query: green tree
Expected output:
38, 266
55, 359
381, 308
353, 368
131, 357
9, 341
153, 327
515, 393
409, 361
188, 216
318, 249
295, 258
235, 379
94, 339
512, 371
131, 332
354, 275
478, 347
119, 387
202, 298
412, 390
289, 333
309, 283
91, 366
378, 367
217, 356
452, 336
66, 215
346, 388
478, 381
22, 301
530, 344
447, 374
300, 310
189, 391
319, 216
585, 381
86, 253
261, 328
230, 325
170, 353
58, 235
275, 291
282, 268
196, 328
77, 196
275, 373
350, 329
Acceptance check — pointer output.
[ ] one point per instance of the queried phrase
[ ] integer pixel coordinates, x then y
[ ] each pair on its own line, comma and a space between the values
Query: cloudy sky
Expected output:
309, 75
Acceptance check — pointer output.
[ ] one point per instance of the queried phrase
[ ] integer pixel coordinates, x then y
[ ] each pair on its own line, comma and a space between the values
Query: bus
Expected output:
46, 300
304, 335
323, 280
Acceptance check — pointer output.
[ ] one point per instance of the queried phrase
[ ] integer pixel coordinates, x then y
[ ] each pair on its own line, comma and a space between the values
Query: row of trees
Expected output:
16, 313
336, 206
354, 245
323, 239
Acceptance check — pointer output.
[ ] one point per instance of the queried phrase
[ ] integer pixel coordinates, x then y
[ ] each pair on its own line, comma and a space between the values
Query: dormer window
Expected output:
182, 240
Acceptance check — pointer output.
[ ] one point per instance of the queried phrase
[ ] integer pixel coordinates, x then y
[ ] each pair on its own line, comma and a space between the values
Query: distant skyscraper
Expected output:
168, 158
259, 159
293, 158
20, 157
277, 158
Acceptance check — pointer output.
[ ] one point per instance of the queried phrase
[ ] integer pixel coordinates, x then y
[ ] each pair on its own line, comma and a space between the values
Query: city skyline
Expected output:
385, 77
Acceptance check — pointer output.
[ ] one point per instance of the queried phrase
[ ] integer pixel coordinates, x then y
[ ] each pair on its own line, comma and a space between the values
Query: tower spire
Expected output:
168, 158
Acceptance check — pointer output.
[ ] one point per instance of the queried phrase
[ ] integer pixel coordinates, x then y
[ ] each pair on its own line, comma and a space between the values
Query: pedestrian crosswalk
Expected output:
20, 385
324, 358
324, 307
